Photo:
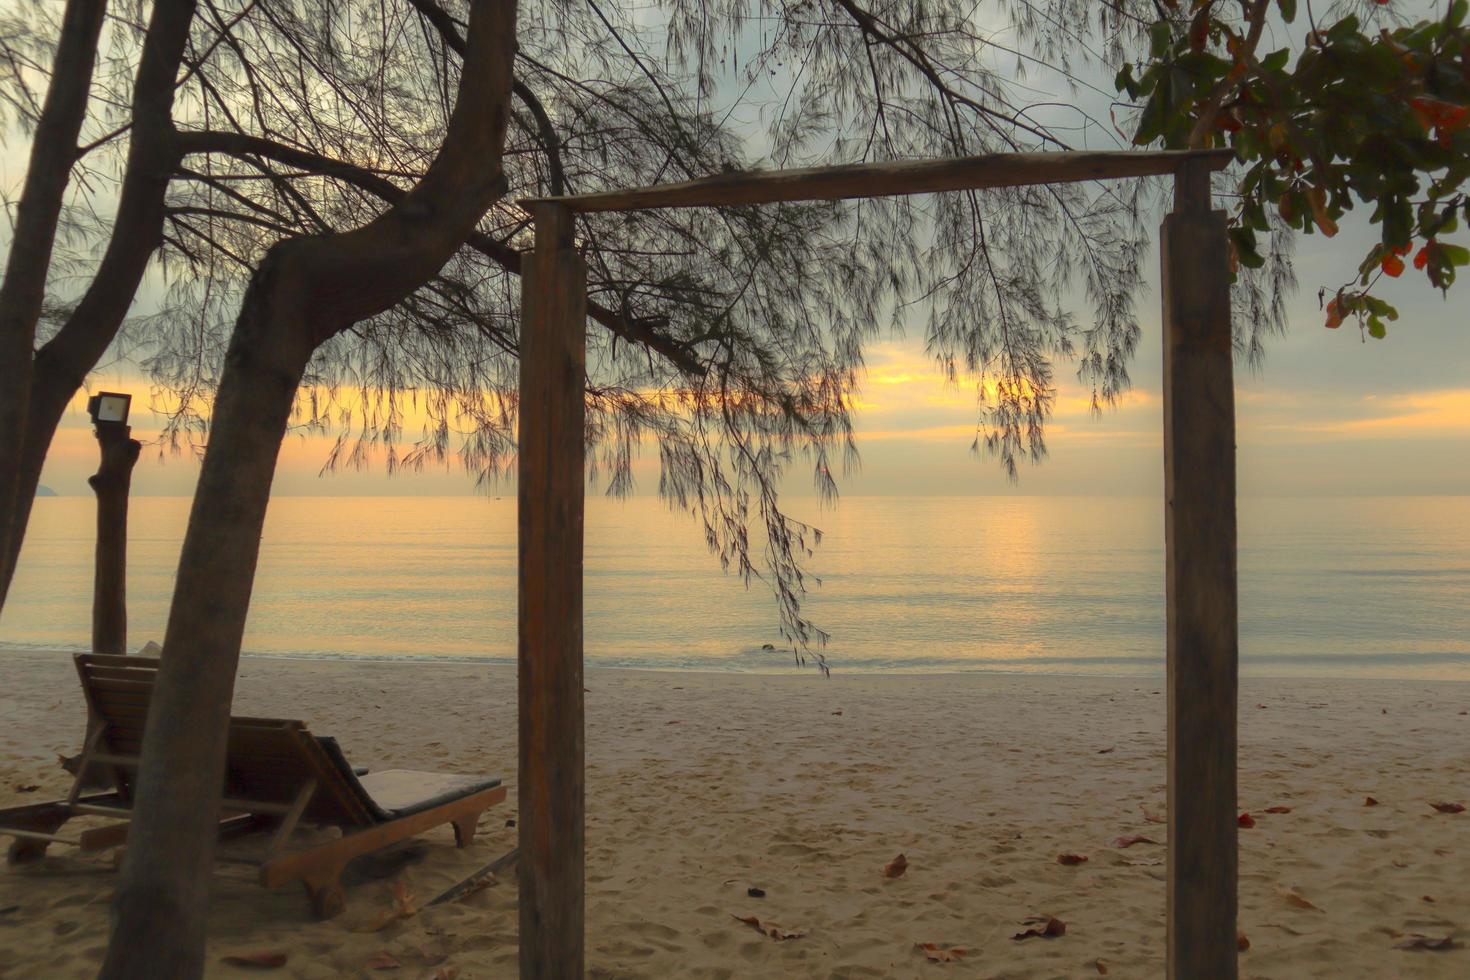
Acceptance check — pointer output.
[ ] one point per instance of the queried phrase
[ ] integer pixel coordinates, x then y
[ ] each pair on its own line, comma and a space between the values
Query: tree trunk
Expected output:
53, 151
305, 291
35, 388
158, 921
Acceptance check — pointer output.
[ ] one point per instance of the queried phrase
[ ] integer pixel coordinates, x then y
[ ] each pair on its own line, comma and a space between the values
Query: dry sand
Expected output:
703, 785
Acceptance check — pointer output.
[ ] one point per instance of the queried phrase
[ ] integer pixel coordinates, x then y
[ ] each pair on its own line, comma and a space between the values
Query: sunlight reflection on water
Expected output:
1345, 586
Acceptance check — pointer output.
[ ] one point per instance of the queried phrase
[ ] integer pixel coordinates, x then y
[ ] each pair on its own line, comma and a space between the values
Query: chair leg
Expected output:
25, 851
464, 828
324, 889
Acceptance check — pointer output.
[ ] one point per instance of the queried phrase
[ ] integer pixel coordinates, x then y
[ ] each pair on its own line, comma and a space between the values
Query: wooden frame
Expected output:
1199, 468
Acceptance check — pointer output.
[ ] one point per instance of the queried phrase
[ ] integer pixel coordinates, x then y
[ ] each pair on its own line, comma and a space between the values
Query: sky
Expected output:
1330, 412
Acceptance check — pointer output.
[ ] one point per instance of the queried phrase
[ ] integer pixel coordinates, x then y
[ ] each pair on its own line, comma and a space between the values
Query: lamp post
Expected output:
109, 411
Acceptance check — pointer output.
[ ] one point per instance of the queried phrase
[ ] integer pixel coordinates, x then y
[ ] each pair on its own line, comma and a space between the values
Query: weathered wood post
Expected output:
1199, 522
550, 486
111, 483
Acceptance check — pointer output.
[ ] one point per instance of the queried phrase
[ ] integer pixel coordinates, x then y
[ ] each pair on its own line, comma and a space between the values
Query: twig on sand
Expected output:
479, 878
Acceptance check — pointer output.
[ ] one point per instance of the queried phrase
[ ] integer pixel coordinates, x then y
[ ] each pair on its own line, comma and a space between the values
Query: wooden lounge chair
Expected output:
278, 776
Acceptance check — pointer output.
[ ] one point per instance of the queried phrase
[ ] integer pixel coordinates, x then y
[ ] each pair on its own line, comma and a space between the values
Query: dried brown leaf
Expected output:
768, 928
257, 959
1132, 839
1101, 967
1369, 801
1449, 807
1295, 898
1045, 926
382, 960
1149, 815
896, 867
1278, 809
1241, 942
1071, 858
936, 953
443, 973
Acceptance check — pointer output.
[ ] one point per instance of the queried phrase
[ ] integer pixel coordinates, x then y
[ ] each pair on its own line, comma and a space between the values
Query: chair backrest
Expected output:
269, 760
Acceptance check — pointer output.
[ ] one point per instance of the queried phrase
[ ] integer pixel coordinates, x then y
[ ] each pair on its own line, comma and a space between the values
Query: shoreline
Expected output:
1249, 672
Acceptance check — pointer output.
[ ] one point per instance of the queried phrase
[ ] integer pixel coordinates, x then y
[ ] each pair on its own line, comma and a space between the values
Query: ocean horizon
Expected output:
1329, 586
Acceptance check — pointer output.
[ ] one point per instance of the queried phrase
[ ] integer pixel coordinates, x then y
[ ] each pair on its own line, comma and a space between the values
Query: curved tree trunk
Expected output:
53, 151
158, 913
52, 375
305, 291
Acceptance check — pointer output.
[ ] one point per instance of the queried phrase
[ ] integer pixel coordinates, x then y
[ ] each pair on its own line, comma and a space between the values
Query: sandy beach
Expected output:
702, 786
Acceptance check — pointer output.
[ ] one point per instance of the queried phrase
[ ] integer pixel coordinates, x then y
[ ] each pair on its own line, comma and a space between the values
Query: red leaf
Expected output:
936, 953
1045, 926
1246, 820
1393, 266
896, 867
382, 960
1241, 942
1071, 858
260, 959
1421, 257
1369, 801
1278, 809
1293, 898
1449, 807
1130, 841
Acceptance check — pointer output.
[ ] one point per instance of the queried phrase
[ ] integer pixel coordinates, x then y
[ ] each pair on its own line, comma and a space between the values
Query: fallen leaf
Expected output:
1101, 967
1246, 820
838, 711
1369, 801
443, 973
936, 953
403, 901
754, 892
769, 928
1437, 943
1131, 840
1294, 898
1071, 858
896, 867
9, 909
1449, 807
259, 959
1278, 809
26, 787
1104, 751
675, 722
1241, 942
1149, 815
1427, 898
1045, 926
382, 960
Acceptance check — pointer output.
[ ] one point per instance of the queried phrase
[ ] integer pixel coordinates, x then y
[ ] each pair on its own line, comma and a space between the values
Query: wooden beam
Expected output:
550, 485
890, 179
1199, 490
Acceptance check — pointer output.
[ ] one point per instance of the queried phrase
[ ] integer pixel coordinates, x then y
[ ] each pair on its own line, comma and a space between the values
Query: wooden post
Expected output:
550, 487
1199, 491
109, 584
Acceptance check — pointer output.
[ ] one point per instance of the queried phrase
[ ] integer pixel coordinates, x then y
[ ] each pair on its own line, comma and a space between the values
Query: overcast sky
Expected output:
1330, 413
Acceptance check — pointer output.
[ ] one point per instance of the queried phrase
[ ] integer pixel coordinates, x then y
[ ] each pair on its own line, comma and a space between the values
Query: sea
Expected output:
1336, 586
